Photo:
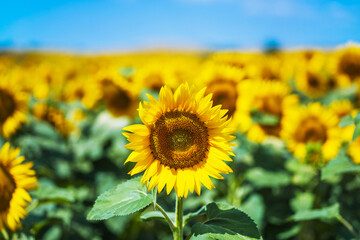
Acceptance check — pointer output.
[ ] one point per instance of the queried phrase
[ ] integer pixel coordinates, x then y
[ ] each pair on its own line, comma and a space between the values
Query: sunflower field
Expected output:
180, 145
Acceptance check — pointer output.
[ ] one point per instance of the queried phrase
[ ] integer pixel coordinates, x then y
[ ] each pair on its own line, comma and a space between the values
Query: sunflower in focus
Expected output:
183, 142
16, 178
12, 106
311, 133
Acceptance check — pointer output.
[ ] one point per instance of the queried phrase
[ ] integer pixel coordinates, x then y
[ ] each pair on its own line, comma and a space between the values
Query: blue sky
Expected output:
118, 25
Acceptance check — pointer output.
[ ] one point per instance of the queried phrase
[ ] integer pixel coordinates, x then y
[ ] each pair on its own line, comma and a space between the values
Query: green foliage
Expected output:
226, 224
262, 178
349, 120
326, 213
124, 199
342, 164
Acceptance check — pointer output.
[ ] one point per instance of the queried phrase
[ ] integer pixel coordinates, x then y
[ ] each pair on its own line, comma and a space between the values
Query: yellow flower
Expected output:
12, 106
53, 116
312, 133
349, 63
83, 89
353, 150
16, 178
272, 99
183, 142
343, 108
120, 96
222, 81
155, 75
246, 62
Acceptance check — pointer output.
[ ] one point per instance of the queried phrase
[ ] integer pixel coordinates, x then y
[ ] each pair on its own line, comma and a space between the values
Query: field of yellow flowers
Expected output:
248, 145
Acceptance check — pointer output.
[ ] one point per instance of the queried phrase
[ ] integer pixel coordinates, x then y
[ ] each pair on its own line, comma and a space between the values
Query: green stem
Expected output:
5, 234
170, 222
348, 226
178, 231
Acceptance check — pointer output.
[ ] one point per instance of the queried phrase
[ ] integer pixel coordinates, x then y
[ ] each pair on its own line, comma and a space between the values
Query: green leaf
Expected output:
127, 71
330, 212
126, 198
226, 224
302, 173
262, 178
198, 213
157, 215
255, 208
342, 164
302, 201
346, 121
356, 132
49, 192
264, 119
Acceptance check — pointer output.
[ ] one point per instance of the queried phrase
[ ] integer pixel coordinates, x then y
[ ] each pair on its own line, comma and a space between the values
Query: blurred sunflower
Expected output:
247, 62
269, 101
83, 89
349, 63
120, 96
353, 150
343, 108
183, 142
154, 75
12, 106
311, 133
222, 82
54, 117
16, 178
312, 82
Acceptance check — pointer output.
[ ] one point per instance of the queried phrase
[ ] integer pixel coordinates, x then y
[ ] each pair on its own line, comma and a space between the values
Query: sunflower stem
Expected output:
348, 226
170, 222
178, 231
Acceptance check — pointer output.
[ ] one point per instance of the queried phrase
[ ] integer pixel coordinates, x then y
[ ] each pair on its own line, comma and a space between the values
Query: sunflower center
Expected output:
7, 105
224, 93
313, 80
79, 93
7, 188
350, 64
272, 105
311, 130
179, 140
154, 81
115, 97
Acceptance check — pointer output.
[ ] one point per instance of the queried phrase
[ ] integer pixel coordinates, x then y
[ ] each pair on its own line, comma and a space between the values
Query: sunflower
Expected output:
222, 81
312, 133
120, 96
183, 142
247, 62
353, 150
269, 99
83, 89
12, 106
343, 108
16, 178
54, 117
349, 63
156, 74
